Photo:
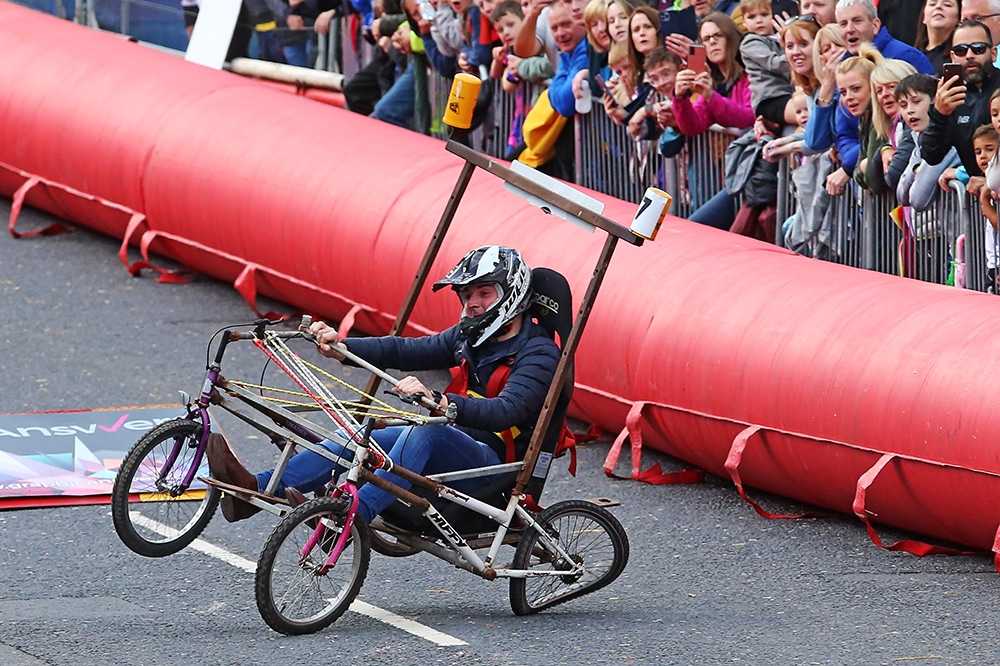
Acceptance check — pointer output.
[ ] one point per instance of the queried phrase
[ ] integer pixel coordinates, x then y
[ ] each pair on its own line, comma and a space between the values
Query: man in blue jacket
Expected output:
859, 23
494, 285
569, 37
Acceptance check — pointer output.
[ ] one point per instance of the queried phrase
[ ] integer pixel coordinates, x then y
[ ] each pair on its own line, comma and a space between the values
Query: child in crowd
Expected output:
808, 231
800, 110
918, 185
474, 51
621, 90
984, 145
507, 18
488, 36
656, 119
989, 193
765, 63
917, 188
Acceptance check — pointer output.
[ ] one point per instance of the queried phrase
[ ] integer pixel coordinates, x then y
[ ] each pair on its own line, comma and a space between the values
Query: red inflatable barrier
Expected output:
845, 389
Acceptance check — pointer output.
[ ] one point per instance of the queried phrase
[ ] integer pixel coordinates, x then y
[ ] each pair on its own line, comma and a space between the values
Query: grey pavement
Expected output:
709, 582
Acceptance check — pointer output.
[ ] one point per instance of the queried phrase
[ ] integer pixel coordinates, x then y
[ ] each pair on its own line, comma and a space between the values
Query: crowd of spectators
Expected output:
834, 86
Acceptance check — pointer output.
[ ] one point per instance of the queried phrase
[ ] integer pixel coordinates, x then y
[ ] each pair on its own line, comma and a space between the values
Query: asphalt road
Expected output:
709, 582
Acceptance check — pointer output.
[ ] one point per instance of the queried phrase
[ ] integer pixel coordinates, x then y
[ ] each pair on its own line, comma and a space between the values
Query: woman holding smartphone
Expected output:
721, 91
718, 94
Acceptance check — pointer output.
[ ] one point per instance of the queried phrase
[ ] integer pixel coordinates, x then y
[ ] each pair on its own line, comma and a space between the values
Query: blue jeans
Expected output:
397, 105
718, 212
426, 450
269, 46
297, 54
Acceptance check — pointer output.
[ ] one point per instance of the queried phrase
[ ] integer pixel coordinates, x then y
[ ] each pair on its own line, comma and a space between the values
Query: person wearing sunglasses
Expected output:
962, 102
824, 11
988, 12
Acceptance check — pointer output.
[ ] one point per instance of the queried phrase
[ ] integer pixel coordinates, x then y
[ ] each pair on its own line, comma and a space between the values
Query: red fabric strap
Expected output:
493, 388
459, 384
918, 548
15, 210
347, 323
733, 461
654, 475
246, 285
164, 275
498, 379
567, 441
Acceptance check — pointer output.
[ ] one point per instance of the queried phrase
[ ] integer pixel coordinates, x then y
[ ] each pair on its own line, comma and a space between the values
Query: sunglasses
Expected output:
978, 48
805, 18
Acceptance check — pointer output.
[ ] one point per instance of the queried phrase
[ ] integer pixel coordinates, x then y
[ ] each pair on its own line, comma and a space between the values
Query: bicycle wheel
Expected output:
589, 534
294, 595
153, 515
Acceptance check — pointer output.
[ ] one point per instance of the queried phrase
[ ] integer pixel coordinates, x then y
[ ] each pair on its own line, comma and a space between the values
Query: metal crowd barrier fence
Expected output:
880, 242
609, 160
700, 165
935, 231
974, 228
862, 232
483, 137
509, 112
786, 204
868, 232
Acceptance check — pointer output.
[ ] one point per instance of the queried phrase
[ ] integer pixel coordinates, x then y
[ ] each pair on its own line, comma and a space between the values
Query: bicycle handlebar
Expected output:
303, 332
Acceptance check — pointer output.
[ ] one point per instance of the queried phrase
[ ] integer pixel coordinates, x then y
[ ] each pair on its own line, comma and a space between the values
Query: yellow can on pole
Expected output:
462, 101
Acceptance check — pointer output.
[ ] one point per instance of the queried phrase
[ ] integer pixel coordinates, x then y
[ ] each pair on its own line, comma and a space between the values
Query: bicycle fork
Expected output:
195, 409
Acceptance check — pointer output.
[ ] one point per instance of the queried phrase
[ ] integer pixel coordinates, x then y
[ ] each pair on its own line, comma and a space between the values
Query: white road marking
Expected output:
409, 626
374, 612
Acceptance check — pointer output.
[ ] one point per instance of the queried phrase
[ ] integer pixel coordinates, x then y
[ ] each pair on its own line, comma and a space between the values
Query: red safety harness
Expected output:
460, 386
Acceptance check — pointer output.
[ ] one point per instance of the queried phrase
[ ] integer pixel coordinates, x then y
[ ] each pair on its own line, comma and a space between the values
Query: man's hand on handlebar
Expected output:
412, 387
326, 340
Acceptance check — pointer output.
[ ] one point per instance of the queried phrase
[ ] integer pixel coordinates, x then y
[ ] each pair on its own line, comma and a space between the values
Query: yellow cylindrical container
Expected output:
462, 101
652, 210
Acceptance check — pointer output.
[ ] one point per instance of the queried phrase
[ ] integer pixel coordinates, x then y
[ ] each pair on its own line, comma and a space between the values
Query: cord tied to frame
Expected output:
345, 414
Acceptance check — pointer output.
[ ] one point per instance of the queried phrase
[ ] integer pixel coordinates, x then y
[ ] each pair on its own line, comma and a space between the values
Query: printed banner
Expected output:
67, 458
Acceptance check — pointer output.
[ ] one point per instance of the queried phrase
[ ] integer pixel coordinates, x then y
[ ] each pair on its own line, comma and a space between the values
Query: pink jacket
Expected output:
731, 111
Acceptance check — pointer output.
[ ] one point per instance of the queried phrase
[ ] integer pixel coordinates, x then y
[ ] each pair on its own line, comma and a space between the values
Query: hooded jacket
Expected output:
535, 357
944, 132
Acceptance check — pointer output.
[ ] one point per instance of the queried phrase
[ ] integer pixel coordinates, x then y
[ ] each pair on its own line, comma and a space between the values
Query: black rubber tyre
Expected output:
292, 597
152, 517
592, 537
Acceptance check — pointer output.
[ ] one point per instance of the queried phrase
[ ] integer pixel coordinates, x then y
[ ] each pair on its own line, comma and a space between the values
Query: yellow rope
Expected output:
377, 407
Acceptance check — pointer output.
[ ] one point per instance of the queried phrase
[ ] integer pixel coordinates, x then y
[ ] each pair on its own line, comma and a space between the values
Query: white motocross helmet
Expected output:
502, 267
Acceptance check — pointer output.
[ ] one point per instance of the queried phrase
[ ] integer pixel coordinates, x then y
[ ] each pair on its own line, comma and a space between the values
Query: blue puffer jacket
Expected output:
519, 402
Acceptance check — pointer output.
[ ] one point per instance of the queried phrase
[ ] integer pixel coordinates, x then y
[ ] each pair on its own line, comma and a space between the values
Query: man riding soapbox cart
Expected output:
483, 480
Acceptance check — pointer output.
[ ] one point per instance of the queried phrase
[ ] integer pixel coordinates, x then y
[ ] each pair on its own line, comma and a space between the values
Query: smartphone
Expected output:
427, 10
696, 58
599, 80
950, 69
